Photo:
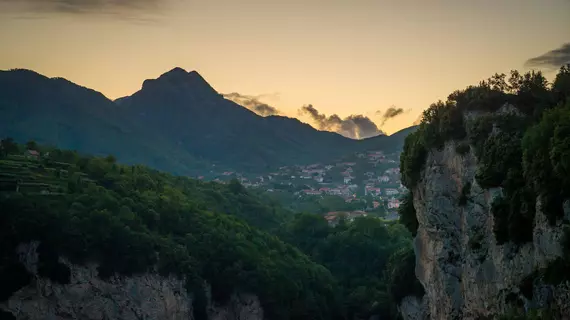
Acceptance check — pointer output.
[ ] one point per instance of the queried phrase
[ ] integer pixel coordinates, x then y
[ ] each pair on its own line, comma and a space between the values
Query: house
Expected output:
375, 204
32, 154
372, 191
393, 171
319, 179
335, 192
355, 214
312, 192
384, 179
347, 180
391, 191
331, 220
393, 203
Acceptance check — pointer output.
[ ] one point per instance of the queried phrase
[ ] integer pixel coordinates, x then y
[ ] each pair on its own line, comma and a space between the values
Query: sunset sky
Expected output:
342, 57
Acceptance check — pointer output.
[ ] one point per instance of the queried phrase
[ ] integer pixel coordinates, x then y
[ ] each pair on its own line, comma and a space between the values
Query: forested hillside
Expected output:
133, 220
176, 123
515, 130
369, 258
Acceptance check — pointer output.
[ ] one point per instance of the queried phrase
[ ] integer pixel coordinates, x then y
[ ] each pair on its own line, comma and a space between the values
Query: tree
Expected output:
561, 85
31, 145
9, 146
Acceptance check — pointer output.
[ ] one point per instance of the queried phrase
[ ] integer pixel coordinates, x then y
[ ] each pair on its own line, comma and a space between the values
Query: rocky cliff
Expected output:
87, 296
465, 272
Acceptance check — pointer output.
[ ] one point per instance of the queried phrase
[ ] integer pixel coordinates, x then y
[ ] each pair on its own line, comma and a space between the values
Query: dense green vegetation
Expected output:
132, 219
312, 204
372, 261
524, 148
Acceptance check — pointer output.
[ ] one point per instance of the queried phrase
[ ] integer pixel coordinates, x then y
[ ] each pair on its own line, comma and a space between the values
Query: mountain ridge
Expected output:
177, 122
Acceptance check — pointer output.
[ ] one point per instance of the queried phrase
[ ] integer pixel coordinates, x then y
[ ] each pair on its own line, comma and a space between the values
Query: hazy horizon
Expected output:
338, 58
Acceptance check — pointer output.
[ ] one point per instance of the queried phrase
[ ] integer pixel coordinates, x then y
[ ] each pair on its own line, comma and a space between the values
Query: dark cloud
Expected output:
253, 104
552, 59
120, 7
390, 113
354, 126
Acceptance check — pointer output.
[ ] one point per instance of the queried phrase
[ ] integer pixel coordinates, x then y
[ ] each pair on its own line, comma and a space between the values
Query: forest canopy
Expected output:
132, 219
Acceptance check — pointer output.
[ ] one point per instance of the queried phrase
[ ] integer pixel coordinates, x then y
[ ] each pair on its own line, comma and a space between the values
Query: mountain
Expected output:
177, 123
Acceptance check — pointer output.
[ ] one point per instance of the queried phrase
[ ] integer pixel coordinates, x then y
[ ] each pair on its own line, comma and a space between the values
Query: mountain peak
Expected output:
176, 72
181, 80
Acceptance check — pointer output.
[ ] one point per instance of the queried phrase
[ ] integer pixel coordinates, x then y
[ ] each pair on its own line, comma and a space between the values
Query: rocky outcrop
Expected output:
413, 308
465, 273
147, 296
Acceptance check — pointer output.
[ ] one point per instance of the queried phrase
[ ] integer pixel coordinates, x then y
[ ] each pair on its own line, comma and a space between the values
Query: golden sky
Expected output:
343, 57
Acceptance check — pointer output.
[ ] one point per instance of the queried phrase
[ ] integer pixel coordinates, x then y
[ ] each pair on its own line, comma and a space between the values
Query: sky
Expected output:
354, 59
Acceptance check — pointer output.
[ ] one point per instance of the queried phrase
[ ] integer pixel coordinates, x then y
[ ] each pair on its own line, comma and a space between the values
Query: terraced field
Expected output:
26, 175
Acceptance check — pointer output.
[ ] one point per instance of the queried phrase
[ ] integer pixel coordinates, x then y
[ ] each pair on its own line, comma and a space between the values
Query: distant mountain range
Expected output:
177, 123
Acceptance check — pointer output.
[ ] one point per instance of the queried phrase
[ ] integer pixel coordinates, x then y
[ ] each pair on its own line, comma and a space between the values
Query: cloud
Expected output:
253, 104
354, 126
119, 7
390, 113
552, 59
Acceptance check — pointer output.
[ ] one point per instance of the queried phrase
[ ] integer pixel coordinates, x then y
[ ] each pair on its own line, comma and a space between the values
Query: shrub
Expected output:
412, 159
407, 213
401, 276
462, 148
465, 191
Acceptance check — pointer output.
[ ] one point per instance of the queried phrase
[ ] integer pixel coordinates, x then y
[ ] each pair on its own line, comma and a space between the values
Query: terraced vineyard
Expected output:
31, 176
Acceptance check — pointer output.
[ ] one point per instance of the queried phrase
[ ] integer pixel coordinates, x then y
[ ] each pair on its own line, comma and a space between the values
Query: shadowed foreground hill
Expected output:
87, 236
176, 122
133, 220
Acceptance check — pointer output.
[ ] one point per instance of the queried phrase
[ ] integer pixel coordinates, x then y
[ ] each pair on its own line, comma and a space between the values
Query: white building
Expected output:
391, 192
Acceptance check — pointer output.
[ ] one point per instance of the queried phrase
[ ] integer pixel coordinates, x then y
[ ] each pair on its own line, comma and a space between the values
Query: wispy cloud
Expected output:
390, 113
253, 103
552, 59
354, 126
123, 8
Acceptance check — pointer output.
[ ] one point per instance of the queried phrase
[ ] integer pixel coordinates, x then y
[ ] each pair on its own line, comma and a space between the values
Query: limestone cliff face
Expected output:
147, 296
465, 273
414, 308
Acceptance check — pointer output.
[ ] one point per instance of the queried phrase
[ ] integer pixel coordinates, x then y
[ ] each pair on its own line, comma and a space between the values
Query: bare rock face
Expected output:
465, 273
413, 308
147, 296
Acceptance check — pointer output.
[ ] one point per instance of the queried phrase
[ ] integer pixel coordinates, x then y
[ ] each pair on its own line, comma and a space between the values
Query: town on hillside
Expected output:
367, 183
